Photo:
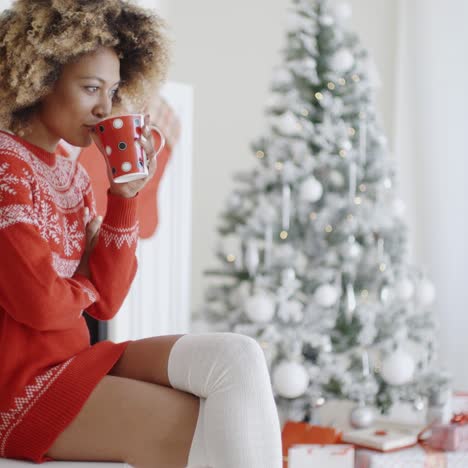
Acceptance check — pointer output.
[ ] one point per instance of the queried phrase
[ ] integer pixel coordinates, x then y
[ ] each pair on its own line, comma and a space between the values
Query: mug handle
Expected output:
162, 138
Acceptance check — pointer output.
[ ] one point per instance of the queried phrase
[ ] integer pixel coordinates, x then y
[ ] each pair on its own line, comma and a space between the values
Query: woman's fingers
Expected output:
92, 232
86, 215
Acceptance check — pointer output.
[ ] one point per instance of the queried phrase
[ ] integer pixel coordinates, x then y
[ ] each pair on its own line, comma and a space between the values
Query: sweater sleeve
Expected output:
31, 290
112, 262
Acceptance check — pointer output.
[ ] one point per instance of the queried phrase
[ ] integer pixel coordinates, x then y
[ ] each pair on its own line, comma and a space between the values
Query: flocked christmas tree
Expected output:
313, 241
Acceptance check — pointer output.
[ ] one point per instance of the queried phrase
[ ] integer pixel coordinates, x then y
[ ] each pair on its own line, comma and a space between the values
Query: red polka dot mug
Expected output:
116, 138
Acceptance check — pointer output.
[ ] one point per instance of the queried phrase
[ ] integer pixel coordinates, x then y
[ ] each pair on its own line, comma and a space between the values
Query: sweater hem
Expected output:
62, 401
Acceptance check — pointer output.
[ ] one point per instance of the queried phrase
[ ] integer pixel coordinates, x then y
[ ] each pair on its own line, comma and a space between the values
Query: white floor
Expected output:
6, 463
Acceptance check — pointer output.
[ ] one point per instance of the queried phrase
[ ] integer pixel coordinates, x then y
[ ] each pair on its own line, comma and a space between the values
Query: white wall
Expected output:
227, 51
431, 126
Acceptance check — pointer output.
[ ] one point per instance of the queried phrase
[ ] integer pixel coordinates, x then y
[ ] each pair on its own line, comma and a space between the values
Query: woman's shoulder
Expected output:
13, 155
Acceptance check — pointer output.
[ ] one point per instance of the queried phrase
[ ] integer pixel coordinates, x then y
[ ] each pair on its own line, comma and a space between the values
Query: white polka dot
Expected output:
108, 150
117, 123
126, 167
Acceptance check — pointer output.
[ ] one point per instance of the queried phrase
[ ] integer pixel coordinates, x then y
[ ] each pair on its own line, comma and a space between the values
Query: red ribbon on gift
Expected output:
460, 418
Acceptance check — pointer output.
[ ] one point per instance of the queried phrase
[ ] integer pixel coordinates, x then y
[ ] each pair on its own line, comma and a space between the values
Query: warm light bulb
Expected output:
328, 228
363, 187
351, 131
382, 267
358, 200
283, 235
260, 154
319, 96
305, 112
331, 86
278, 165
231, 258
355, 78
342, 153
342, 81
313, 216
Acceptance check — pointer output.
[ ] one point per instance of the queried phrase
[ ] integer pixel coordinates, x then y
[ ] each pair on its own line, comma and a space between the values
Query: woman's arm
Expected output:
31, 290
112, 262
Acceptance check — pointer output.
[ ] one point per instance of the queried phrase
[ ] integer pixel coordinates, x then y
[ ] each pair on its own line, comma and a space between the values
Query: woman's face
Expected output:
80, 98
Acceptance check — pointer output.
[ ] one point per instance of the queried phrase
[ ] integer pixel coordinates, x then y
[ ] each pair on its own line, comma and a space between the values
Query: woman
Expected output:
158, 402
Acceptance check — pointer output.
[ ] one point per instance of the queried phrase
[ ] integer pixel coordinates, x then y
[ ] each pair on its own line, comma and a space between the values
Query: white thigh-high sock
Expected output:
238, 425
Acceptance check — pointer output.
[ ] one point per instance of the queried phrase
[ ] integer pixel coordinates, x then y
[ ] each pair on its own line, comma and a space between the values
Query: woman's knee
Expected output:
241, 357
244, 347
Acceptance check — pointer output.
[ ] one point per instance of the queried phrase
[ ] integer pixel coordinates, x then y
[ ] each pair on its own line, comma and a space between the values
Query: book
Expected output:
382, 437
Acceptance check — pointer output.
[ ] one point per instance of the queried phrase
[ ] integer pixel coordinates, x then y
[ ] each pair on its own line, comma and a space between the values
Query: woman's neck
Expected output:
39, 135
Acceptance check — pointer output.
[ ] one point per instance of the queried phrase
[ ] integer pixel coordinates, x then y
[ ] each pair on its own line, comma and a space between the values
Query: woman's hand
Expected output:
92, 235
130, 189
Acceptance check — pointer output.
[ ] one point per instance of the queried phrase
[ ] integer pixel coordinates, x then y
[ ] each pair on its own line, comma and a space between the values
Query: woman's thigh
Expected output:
146, 359
143, 424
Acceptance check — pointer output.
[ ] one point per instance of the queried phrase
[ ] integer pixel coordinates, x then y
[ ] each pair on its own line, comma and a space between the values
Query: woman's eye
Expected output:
92, 89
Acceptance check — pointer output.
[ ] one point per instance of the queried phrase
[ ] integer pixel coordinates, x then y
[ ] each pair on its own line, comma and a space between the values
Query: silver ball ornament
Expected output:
362, 416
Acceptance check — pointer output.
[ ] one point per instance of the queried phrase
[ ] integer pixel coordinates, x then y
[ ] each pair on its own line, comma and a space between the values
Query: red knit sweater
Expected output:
47, 366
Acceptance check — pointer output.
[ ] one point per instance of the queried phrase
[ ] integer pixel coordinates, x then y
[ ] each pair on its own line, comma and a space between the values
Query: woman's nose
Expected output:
103, 108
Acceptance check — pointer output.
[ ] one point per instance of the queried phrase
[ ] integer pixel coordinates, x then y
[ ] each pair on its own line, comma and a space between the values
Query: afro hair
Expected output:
38, 37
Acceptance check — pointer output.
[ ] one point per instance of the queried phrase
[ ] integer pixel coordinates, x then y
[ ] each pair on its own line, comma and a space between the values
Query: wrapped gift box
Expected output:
450, 437
323, 456
414, 457
300, 433
460, 402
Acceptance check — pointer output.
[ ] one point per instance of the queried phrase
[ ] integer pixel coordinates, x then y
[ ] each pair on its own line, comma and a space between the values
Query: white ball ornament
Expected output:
290, 379
398, 208
404, 289
311, 190
337, 179
326, 295
398, 368
260, 308
288, 124
351, 249
425, 292
342, 11
342, 61
326, 20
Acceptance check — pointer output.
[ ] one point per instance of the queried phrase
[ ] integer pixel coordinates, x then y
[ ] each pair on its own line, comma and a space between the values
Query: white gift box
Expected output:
323, 456
460, 402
